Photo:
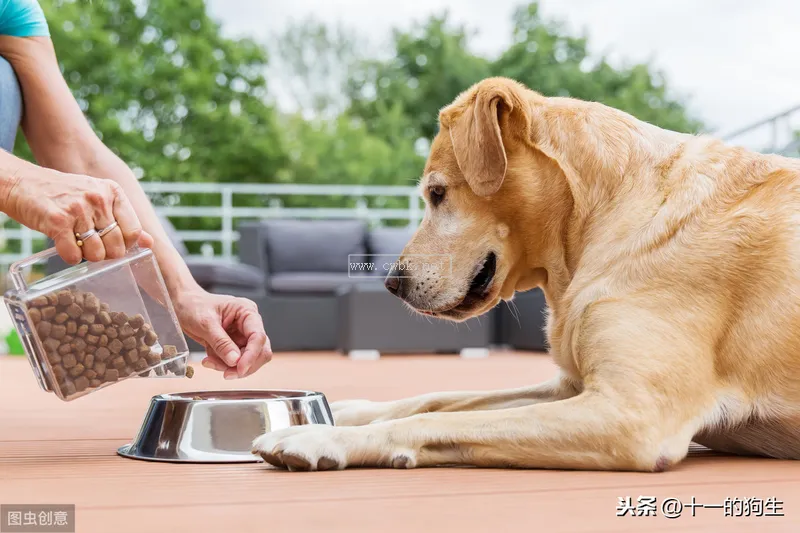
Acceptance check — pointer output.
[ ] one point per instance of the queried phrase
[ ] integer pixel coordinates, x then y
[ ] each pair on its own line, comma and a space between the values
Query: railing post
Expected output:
413, 208
27, 241
227, 223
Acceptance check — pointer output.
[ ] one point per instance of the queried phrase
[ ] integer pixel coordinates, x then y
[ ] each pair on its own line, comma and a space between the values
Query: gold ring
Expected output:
80, 238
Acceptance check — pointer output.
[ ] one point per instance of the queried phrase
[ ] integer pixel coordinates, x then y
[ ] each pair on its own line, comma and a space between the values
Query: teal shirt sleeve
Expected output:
22, 18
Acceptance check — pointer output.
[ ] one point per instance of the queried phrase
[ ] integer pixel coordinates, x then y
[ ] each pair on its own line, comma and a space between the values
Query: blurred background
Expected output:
236, 110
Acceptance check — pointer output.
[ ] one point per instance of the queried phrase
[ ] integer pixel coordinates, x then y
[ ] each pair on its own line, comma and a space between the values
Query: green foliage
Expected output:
163, 88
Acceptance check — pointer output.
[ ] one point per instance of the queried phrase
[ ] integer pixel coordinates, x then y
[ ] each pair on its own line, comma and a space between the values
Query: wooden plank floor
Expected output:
54, 452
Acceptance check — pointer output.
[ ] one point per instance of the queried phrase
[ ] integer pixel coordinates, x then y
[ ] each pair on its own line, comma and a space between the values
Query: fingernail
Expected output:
232, 358
208, 364
231, 376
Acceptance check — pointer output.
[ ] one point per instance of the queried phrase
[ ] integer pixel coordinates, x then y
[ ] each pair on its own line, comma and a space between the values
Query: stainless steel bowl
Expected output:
219, 427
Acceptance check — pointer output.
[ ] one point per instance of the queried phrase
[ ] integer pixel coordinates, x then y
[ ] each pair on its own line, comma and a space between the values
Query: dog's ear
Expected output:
477, 139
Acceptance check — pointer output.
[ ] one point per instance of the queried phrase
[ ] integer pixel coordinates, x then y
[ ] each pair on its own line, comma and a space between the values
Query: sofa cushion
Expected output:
312, 245
311, 282
385, 246
208, 274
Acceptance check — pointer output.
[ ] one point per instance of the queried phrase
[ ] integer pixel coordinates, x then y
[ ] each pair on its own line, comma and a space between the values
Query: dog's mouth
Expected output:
478, 289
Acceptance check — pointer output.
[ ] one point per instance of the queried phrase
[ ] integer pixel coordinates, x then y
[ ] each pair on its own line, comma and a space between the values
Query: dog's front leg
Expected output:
362, 412
588, 431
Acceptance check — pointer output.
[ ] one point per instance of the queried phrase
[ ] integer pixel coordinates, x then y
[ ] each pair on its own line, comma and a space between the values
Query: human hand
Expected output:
230, 329
62, 205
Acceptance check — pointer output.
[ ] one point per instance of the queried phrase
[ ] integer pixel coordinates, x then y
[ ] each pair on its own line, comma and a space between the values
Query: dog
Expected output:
670, 264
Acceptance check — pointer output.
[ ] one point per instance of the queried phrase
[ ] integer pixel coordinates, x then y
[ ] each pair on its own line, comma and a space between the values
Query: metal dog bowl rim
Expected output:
278, 395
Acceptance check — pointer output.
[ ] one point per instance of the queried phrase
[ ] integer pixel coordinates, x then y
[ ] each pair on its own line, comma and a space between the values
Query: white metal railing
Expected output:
776, 134
228, 212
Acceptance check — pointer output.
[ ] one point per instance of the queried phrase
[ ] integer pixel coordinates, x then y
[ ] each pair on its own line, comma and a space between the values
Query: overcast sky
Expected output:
737, 60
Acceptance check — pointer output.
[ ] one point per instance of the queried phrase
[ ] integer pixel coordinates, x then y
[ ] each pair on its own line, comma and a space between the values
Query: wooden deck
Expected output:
64, 453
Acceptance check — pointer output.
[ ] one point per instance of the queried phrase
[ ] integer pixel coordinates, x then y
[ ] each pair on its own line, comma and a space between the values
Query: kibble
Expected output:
88, 345
189, 371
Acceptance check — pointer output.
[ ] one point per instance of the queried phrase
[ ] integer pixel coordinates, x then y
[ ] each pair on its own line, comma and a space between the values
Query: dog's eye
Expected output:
437, 194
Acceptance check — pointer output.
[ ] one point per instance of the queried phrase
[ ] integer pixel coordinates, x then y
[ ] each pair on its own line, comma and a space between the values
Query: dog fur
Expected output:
670, 264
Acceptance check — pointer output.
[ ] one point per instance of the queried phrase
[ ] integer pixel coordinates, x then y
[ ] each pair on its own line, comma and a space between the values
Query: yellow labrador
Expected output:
670, 264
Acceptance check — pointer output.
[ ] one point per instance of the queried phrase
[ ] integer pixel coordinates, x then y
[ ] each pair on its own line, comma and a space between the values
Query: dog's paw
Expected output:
323, 447
312, 447
357, 412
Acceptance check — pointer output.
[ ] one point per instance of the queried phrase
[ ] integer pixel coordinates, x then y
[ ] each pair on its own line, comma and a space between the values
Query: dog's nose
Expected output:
393, 282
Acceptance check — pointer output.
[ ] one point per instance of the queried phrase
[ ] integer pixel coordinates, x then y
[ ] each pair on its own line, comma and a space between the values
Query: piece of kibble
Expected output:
104, 307
95, 383
64, 349
78, 297
131, 356
49, 312
67, 338
65, 298
79, 345
80, 356
60, 373
125, 372
112, 333
51, 345
91, 303
68, 388
170, 351
102, 353
92, 339
103, 340
150, 338
77, 370
112, 374
91, 374
140, 365
115, 346
36, 315
136, 321
81, 383
88, 361
69, 361
96, 329
125, 331
87, 318
61, 318
118, 362
58, 331
52, 299
44, 329
83, 330
119, 318
153, 358
72, 328
100, 368
40, 301
74, 311
189, 372
104, 318
54, 358
129, 343
91, 349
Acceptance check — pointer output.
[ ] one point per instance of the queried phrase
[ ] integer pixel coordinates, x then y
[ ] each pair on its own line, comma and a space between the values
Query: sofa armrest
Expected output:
252, 246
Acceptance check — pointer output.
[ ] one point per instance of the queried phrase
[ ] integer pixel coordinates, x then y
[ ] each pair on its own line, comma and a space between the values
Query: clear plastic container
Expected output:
97, 323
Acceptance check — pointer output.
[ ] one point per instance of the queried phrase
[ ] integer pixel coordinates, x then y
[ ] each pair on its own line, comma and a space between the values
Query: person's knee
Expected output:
10, 105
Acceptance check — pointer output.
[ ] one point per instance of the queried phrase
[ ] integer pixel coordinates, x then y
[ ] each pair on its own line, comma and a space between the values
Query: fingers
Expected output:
126, 217
67, 246
218, 341
258, 350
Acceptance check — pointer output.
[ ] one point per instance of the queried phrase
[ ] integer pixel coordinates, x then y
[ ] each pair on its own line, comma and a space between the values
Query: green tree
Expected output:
432, 65
166, 91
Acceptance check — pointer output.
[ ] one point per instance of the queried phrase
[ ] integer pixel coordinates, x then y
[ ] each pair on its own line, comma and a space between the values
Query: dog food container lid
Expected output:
96, 323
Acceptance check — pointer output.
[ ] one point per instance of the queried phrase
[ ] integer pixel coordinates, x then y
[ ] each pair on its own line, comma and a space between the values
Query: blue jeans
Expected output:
10, 105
